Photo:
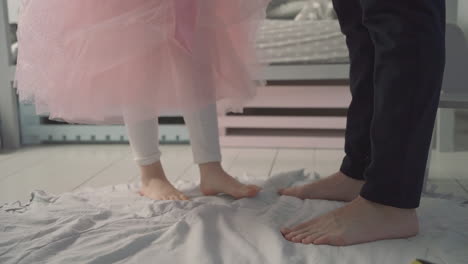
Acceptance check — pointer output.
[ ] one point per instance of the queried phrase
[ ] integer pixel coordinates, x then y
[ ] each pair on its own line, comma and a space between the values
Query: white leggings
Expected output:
204, 137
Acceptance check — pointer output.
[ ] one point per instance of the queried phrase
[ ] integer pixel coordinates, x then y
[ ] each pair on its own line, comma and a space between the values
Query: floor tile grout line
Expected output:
8, 158
230, 164
233, 161
461, 185
233, 156
137, 173
273, 162
187, 168
134, 178
314, 161
185, 171
99, 172
32, 165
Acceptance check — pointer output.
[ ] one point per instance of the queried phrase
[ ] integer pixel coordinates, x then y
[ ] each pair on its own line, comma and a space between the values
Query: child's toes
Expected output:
247, 191
183, 197
253, 190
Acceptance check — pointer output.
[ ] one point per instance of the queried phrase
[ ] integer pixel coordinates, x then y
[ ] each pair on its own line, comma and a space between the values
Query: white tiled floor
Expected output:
64, 168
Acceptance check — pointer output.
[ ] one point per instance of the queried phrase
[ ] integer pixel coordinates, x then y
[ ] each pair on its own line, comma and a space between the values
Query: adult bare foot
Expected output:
358, 222
156, 186
337, 187
214, 180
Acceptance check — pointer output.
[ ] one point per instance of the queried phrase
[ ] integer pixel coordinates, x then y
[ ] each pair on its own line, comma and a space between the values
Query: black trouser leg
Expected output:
409, 43
361, 50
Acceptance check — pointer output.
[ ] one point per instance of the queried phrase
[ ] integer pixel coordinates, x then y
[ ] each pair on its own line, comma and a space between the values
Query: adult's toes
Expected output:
323, 240
307, 240
307, 225
300, 237
285, 230
331, 240
311, 238
296, 233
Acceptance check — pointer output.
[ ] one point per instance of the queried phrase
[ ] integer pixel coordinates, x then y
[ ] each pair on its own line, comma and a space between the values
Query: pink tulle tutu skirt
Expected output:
110, 61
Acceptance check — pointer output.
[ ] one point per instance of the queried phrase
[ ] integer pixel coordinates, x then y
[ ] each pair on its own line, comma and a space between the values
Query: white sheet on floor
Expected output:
115, 225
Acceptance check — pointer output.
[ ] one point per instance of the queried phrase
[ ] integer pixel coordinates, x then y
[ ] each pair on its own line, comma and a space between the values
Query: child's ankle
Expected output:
153, 171
210, 167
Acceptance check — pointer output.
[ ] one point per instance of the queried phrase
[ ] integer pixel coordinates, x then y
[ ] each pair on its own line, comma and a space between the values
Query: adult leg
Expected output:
346, 184
409, 39
409, 62
204, 137
144, 142
360, 112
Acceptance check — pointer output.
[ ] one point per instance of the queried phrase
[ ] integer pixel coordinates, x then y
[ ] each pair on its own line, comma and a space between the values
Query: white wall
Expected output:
13, 9
452, 10
463, 15
10, 129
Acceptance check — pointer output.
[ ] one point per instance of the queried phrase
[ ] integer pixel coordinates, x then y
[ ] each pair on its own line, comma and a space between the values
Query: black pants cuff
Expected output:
386, 195
353, 169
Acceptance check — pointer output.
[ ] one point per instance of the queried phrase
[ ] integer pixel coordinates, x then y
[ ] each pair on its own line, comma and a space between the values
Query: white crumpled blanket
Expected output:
115, 225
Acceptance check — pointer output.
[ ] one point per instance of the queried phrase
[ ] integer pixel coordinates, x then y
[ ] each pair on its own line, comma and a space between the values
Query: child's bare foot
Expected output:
156, 186
214, 180
337, 187
358, 222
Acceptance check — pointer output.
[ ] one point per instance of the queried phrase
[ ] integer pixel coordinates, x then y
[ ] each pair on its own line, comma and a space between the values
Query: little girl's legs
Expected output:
144, 140
203, 129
